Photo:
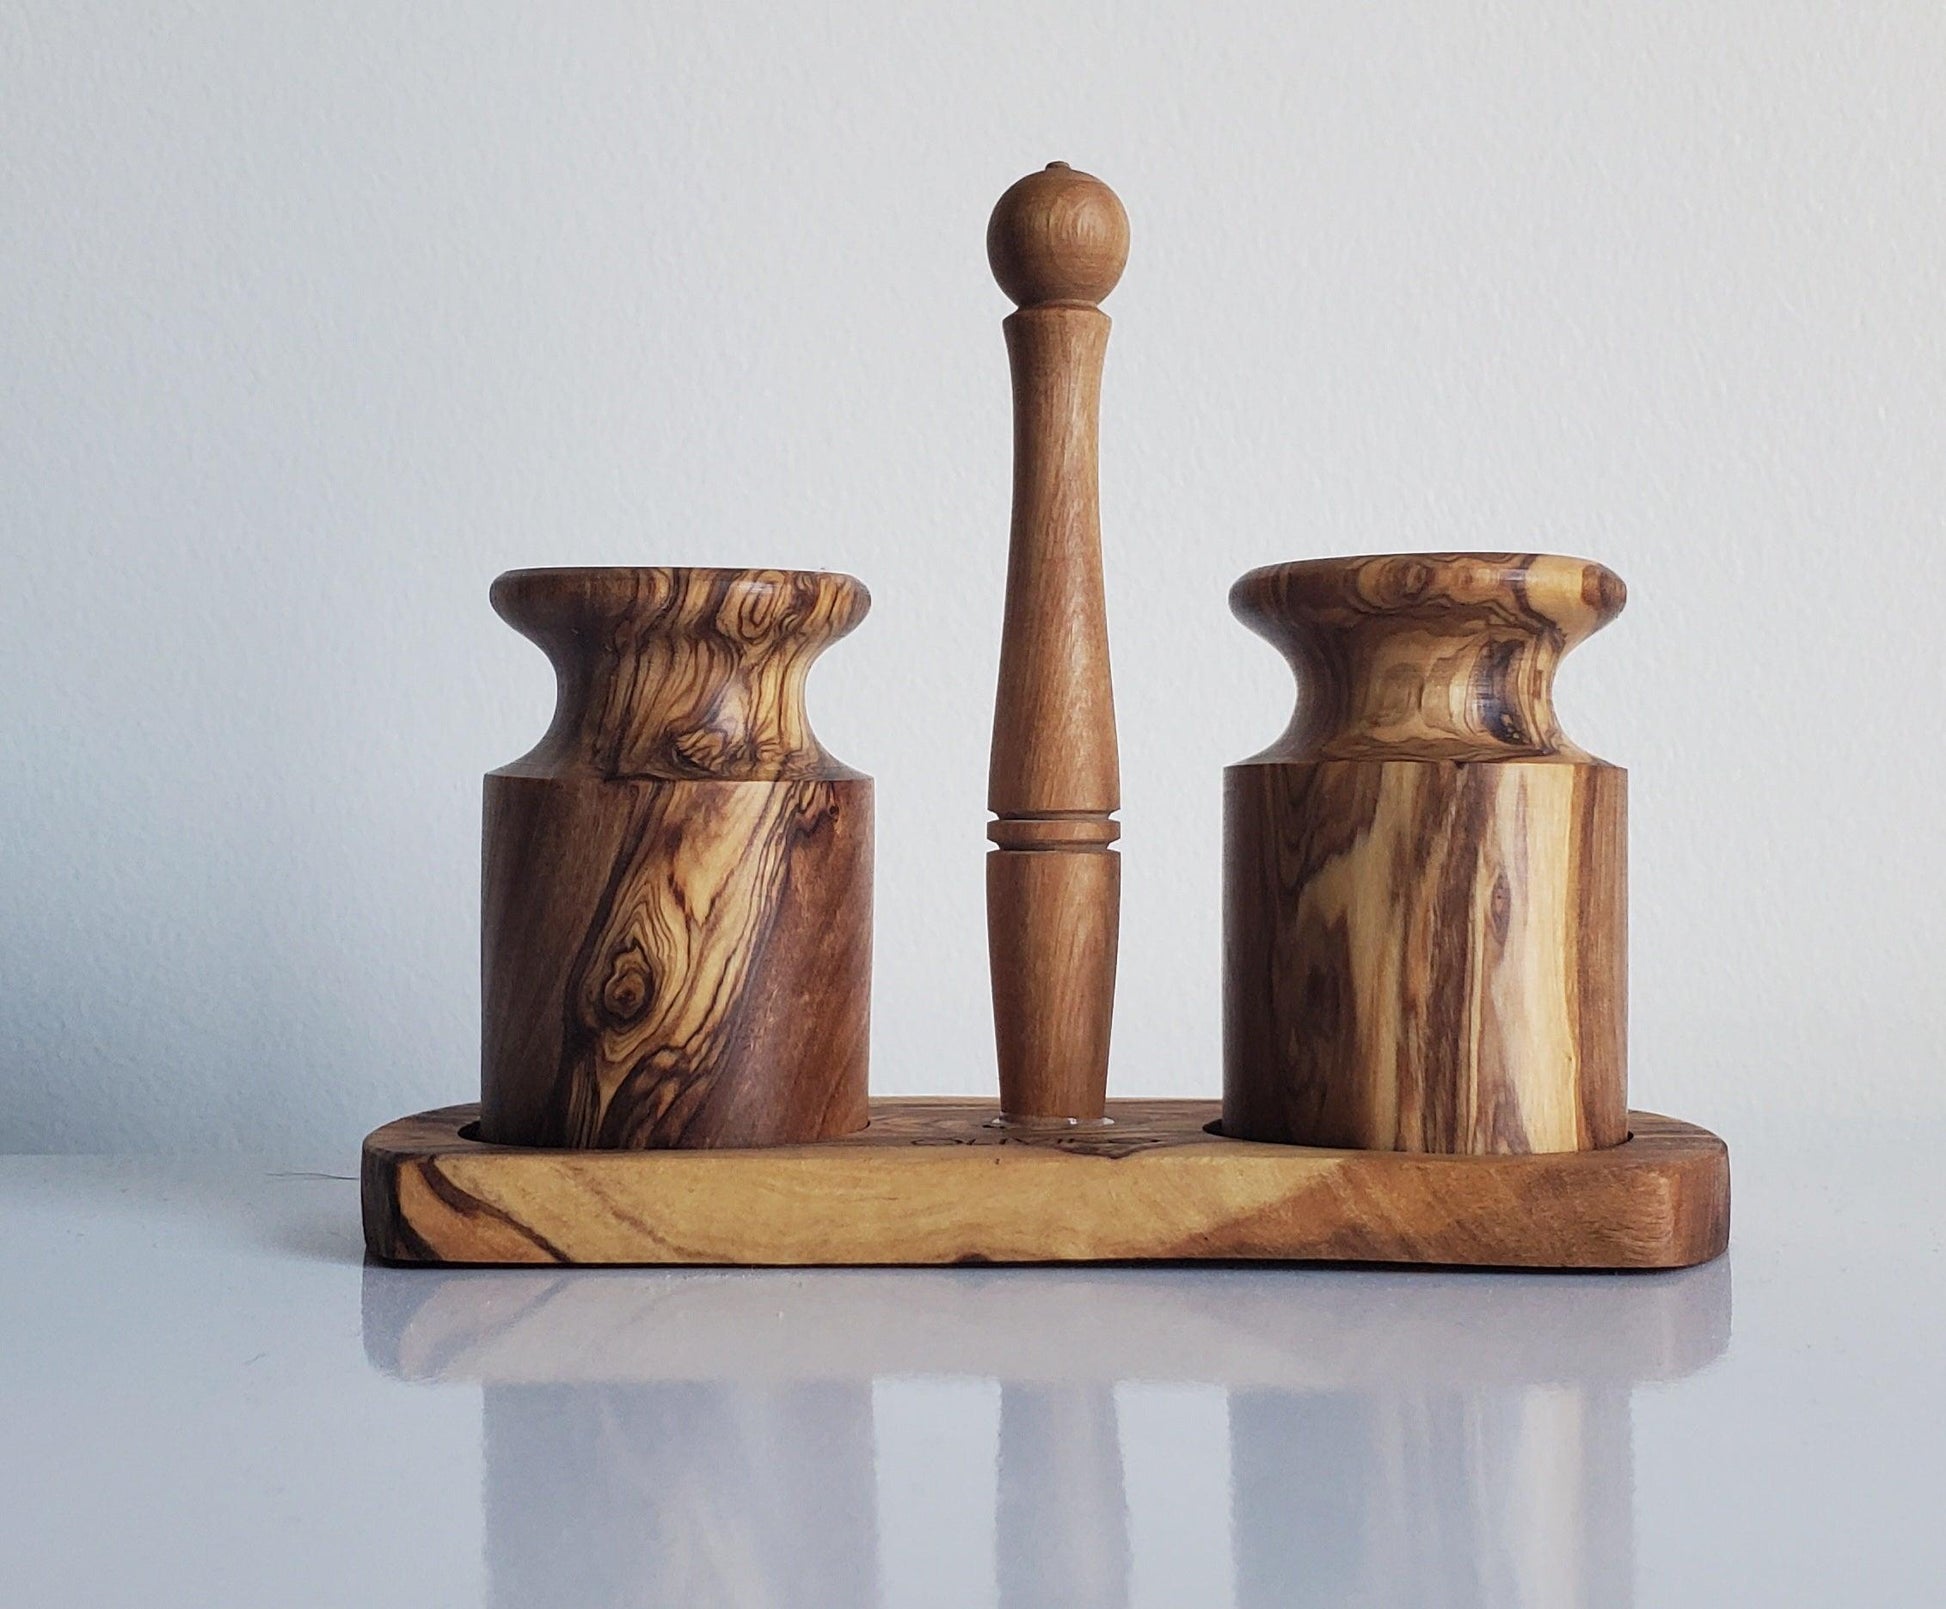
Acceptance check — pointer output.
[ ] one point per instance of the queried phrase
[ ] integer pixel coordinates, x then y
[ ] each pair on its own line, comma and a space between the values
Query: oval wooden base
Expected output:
929, 1183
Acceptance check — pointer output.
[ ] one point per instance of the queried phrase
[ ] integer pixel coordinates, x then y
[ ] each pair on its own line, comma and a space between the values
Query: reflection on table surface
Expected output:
1074, 1436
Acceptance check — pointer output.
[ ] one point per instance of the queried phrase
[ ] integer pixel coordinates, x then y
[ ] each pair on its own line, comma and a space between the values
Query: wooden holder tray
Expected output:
930, 1183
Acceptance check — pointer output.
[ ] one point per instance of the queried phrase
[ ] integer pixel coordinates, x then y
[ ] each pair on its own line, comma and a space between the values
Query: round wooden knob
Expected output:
1058, 236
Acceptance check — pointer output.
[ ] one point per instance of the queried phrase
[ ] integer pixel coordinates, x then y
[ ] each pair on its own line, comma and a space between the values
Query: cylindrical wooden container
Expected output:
1425, 899
677, 891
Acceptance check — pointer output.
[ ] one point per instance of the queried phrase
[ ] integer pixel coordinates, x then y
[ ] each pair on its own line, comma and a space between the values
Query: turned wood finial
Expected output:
1058, 236
1057, 243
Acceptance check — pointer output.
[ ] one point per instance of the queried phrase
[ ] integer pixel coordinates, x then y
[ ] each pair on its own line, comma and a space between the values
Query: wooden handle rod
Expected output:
1057, 242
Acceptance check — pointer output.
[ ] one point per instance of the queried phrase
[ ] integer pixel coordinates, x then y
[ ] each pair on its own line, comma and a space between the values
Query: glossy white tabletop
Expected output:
208, 1399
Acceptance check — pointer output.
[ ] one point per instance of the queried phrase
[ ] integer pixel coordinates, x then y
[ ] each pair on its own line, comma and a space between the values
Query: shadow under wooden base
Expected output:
930, 1183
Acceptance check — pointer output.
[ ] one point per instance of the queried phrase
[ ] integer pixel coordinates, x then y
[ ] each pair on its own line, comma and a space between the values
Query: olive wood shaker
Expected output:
1425, 898
677, 907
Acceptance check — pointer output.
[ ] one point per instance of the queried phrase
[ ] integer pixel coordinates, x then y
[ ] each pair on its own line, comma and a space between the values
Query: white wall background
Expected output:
315, 317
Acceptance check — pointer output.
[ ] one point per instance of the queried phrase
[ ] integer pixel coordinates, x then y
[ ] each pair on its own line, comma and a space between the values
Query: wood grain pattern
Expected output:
1057, 242
928, 1183
676, 906
1427, 656
1425, 881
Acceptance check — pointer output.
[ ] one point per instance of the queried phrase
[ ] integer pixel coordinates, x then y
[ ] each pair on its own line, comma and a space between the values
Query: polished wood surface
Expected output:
1427, 656
676, 912
1056, 242
929, 1183
1425, 896
1052, 928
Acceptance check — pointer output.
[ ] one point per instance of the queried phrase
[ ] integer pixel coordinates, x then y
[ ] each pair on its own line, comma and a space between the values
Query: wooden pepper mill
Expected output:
1425, 897
676, 918
1057, 242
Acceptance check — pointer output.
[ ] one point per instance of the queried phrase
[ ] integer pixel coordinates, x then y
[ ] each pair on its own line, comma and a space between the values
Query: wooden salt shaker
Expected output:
1425, 898
1057, 242
677, 906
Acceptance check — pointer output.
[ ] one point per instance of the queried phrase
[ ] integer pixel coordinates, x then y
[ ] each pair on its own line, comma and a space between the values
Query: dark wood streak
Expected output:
677, 889
470, 1206
389, 1231
1424, 896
